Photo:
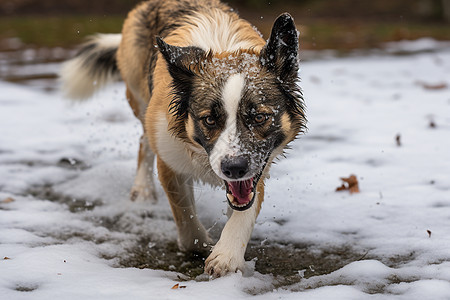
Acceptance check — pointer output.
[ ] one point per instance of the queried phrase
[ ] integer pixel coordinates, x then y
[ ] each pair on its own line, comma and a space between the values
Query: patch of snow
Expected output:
419, 45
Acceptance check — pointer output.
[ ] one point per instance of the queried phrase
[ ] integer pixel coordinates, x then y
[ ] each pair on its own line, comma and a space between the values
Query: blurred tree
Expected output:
437, 10
446, 9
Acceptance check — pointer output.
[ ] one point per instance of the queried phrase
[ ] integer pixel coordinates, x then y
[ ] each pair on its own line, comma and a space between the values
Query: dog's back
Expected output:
133, 53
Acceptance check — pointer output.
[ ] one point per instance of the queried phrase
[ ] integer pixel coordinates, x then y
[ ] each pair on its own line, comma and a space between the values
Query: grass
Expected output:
67, 31
64, 31
342, 35
352, 35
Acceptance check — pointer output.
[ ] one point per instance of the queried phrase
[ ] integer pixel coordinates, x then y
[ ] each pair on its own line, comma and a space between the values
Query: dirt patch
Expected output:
163, 256
46, 192
26, 288
72, 163
287, 263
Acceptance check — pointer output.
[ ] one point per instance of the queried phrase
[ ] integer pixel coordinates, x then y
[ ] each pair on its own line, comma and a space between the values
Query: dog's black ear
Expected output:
280, 56
280, 53
182, 63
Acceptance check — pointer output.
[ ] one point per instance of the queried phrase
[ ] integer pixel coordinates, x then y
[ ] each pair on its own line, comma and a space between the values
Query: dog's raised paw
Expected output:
219, 264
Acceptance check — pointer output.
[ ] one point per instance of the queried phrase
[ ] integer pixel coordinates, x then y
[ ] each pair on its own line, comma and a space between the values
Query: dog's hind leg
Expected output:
192, 236
144, 186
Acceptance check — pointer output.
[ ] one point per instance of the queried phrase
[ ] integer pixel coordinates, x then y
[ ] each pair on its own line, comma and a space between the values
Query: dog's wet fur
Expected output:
218, 104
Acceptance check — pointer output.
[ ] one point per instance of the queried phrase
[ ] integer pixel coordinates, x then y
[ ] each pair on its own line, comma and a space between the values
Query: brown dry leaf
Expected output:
8, 200
341, 188
429, 233
350, 184
6, 257
433, 86
178, 286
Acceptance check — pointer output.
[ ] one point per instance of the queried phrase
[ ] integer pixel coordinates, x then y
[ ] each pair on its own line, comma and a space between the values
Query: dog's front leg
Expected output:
228, 254
192, 236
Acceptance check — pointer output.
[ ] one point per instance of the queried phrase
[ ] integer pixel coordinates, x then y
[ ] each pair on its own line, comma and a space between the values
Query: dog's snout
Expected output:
234, 167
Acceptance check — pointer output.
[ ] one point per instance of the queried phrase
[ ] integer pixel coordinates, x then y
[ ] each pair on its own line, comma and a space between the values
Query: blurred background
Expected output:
37, 32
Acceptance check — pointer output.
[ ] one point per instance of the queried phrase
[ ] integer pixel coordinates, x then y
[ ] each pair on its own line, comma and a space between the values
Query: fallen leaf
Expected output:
6, 257
433, 86
429, 233
349, 184
8, 200
178, 286
341, 188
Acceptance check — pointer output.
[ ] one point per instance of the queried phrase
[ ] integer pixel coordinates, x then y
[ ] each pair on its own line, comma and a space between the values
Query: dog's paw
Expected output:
220, 263
142, 193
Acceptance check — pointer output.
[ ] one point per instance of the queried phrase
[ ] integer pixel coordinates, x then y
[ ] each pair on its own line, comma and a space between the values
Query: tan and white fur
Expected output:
218, 103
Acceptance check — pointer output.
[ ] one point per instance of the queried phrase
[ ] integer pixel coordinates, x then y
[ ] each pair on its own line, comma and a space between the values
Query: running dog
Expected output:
218, 103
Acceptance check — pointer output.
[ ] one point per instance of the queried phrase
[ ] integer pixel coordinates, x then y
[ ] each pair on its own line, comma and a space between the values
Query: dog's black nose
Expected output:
234, 167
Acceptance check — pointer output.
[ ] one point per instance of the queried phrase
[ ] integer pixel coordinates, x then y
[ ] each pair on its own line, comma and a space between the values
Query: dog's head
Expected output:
242, 108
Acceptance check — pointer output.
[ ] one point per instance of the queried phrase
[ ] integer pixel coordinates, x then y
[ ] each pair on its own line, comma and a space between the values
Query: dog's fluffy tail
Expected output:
92, 68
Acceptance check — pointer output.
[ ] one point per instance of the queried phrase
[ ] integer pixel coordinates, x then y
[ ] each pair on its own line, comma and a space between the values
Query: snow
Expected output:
419, 45
71, 227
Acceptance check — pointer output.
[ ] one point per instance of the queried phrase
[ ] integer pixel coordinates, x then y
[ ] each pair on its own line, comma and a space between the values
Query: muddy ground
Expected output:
287, 263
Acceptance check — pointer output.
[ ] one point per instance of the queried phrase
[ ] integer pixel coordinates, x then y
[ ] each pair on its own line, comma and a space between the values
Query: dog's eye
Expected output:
259, 118
209, 121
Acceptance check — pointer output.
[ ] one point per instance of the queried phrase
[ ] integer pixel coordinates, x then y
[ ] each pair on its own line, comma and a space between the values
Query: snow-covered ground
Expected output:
68, 230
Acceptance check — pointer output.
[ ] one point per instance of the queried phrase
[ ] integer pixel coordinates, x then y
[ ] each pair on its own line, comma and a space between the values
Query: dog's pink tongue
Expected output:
241, 190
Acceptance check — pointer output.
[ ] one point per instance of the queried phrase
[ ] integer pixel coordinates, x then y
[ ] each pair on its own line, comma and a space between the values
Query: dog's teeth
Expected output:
230, 198
250, 197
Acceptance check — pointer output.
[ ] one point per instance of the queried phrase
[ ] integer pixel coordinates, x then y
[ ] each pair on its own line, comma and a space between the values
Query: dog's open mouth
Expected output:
241, 194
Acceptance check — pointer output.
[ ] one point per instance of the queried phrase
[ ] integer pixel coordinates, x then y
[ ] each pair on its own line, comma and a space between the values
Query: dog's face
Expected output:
242, 108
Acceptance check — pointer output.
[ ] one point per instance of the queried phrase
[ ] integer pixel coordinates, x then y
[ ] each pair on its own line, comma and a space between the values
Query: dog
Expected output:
217, 103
